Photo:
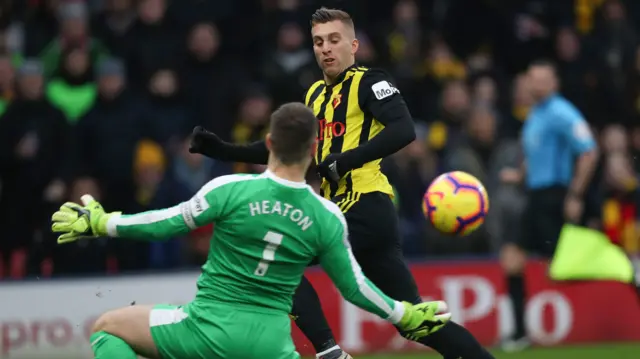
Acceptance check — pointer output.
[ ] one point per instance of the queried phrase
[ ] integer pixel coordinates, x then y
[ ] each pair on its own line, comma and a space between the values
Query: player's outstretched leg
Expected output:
123, 334
308, 315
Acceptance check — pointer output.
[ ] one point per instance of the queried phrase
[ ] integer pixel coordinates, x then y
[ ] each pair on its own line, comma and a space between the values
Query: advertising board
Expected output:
53, 319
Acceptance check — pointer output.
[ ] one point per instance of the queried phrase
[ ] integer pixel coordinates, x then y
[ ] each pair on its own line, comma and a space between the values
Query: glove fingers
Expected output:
64, 216
441, 307
87, 199
68, 237
69, 225
435, 307
70, 206
443, 317
61, 227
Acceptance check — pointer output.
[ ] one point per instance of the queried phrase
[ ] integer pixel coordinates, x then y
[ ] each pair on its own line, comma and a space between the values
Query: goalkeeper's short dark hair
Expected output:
293, 130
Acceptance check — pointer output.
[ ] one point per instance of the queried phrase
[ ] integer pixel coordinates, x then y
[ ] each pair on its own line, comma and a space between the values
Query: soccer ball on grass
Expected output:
456, 203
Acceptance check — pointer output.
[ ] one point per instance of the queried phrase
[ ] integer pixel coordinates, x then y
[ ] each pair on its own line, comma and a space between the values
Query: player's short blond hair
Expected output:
324, 15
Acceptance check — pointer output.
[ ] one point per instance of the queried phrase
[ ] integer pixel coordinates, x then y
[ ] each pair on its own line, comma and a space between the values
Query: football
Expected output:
456, 203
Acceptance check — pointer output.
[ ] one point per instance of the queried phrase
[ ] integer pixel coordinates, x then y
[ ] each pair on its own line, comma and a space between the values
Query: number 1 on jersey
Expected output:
273, 240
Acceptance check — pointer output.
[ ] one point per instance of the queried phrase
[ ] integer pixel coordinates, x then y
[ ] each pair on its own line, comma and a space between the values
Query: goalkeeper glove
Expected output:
420, 320
75, 221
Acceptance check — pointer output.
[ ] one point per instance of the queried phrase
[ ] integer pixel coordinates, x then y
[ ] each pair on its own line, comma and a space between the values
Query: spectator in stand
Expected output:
635, 148
367, 54
526, 33
12, 40
149, 167
614, 54
632, 92
114, 23
440, 73
7, 74
484, 155
73, 89
41, 26
252, 123
183, 178
34, 139
166, 109
155, 42
410, 170
621, 208
404, 41
73, 33
291, 67
521, 103
204, 69
447, 129
188, 173
573, 69
107, 136
618, 186
485, 92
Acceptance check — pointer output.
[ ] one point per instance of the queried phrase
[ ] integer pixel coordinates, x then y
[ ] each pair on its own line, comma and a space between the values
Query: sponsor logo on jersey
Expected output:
328, 130
383, 89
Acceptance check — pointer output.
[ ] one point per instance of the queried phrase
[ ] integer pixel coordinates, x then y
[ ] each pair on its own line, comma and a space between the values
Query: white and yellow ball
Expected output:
456, 203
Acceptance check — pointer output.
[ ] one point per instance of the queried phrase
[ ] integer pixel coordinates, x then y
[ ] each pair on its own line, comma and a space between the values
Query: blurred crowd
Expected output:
99, 96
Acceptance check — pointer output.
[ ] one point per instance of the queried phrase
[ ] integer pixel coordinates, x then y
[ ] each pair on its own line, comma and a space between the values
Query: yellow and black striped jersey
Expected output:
351, 112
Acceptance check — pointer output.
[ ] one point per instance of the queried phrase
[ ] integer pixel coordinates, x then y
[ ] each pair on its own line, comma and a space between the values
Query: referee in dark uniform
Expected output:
560, 157
362, 119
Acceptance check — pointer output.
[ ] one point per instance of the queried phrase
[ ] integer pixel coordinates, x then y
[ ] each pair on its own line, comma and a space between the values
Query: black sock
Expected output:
309, 317
454, 341
515, 285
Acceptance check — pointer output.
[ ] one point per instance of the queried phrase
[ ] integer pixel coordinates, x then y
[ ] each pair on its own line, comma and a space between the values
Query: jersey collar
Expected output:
342, 75
283, 181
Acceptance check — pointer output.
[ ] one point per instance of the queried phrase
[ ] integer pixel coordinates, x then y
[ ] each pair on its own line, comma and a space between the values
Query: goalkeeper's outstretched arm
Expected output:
152, 225
202, 209
343, 269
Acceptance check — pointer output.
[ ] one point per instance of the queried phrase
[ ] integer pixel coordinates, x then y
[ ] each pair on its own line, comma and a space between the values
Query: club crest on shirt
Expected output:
337, 99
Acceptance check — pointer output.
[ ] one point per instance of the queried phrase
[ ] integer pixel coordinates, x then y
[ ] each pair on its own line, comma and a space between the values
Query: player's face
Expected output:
542, 81
334, 45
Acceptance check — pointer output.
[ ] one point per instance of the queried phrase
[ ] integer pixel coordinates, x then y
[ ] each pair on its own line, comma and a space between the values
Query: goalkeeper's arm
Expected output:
340, 264
153, 225
203, 208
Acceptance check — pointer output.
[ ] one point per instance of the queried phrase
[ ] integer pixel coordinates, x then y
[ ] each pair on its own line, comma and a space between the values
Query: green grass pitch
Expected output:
605, 351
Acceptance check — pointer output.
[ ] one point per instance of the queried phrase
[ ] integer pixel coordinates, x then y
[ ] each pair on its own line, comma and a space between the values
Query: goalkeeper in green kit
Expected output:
269, 228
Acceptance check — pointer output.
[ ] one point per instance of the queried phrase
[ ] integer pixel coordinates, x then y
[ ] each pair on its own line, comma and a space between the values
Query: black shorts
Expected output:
543, 221
375, 239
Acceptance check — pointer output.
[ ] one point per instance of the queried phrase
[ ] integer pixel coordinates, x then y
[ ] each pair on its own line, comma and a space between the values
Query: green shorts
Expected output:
182, 332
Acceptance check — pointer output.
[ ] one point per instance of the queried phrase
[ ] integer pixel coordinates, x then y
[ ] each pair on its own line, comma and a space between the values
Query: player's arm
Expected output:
203, 208
212, 146
75, 221
575, 129
380, 99
340, 264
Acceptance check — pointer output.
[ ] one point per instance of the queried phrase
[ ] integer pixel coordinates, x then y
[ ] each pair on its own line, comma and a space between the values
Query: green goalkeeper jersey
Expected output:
267, 231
